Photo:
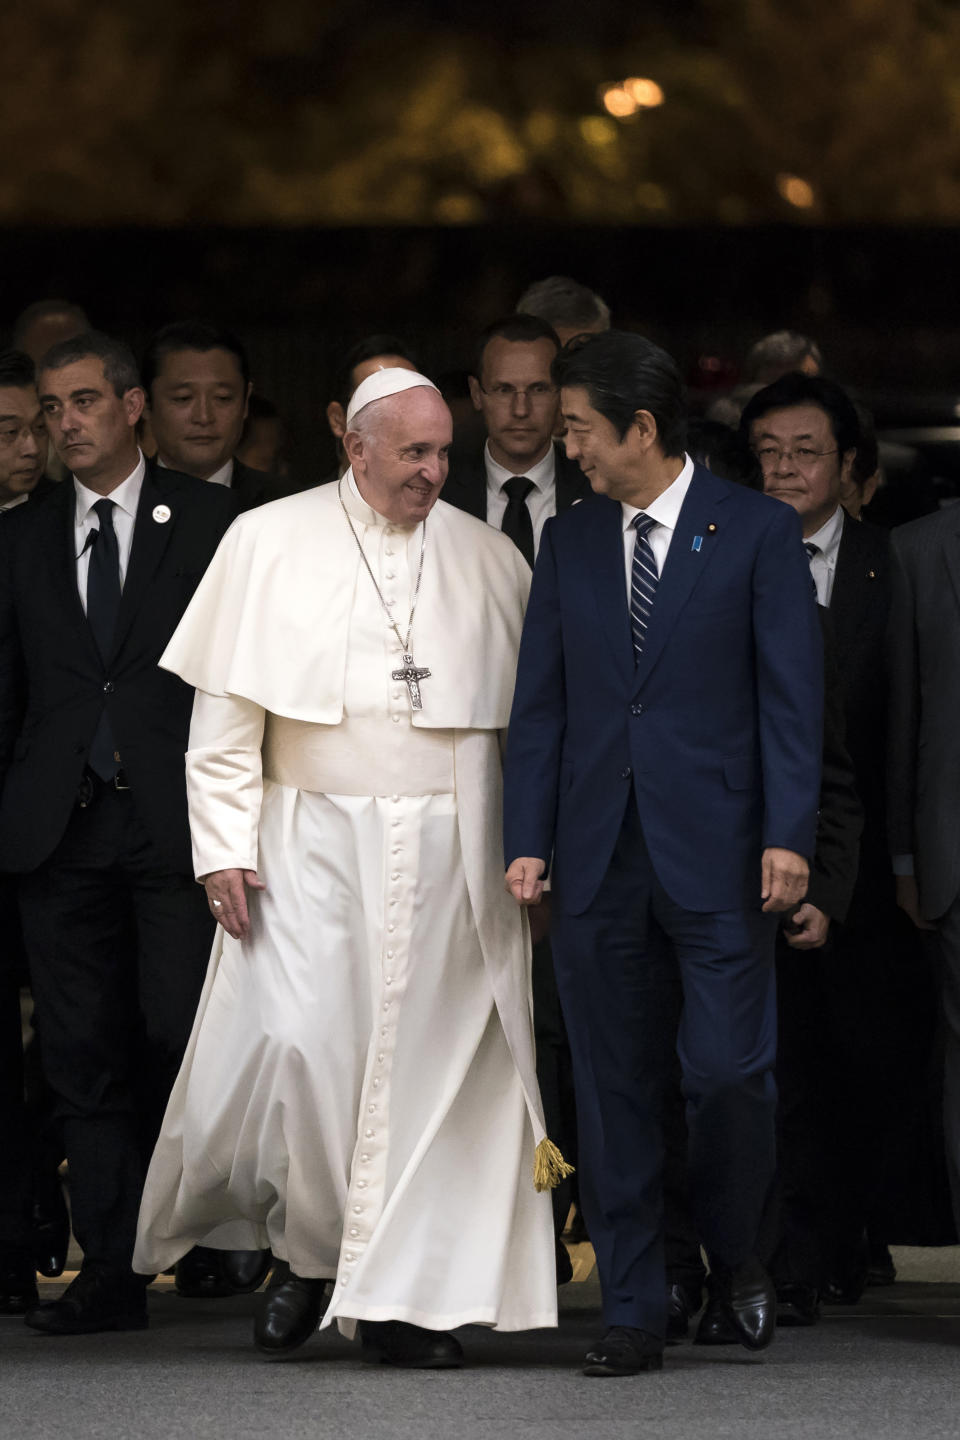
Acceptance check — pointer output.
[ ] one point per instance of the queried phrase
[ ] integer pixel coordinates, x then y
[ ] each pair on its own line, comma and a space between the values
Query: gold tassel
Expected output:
549, 1166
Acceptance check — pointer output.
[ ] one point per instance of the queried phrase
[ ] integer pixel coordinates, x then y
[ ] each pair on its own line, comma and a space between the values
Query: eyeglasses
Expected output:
536, 394
801, 455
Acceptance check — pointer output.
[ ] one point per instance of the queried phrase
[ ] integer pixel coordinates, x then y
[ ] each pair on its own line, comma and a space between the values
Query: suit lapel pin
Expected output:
161, 513
711, 528
697, 542
871, 574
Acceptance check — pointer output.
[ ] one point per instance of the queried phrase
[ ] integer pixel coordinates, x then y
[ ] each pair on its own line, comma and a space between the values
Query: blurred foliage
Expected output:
303, 113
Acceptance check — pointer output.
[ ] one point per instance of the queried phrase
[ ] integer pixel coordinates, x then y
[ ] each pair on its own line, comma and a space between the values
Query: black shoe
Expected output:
394, 1342
716, 1326
289, 1310
624, 1351
199, 1275
98, 1299
880, 1267
245, 1270
797, 1305
51, 1227
18, 1285
848, 1275
564, 1264
748, 1301
682, 1302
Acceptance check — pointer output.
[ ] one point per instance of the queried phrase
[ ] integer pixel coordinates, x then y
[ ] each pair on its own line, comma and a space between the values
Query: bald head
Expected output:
398, 448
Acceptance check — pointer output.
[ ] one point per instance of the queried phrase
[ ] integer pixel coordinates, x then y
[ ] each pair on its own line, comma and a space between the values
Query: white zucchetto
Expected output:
383, 383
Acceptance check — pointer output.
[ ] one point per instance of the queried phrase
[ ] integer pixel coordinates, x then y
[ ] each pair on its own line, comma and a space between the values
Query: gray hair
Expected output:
565, 302
779, 354
119, 364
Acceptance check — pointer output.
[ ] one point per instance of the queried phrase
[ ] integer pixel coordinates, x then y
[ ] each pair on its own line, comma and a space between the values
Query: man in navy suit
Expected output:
664, 756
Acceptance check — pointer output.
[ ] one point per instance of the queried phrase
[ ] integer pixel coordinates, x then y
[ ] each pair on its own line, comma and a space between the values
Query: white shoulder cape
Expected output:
269, 621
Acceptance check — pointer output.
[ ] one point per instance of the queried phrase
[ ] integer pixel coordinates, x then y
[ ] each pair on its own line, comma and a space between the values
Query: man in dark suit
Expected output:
23, 456
855, 1017
93, 815
520, 476
516, 479
664, 749
924, 773
197, 379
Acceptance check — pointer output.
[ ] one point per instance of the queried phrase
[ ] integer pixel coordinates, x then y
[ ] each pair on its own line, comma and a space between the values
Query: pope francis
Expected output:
359, 1091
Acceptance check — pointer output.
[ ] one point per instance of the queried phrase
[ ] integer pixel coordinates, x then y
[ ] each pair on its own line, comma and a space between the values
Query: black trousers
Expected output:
16, 1159
617, 967
554, 1074
118, 944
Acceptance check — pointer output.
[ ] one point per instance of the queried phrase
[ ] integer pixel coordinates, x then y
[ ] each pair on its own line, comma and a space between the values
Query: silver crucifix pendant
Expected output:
412, 677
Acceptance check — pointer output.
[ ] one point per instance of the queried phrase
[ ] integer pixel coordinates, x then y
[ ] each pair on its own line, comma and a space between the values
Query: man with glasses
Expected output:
516, 481
521, 476
851, 1015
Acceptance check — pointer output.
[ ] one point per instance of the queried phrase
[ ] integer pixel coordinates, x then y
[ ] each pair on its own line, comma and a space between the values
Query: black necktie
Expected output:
103, 605
516, 518
812, 550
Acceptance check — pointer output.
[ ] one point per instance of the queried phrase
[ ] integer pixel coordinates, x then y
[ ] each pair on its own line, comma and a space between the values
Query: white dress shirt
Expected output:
542, 500
823, 565
666, 511
11, 504
223, 476
125, 499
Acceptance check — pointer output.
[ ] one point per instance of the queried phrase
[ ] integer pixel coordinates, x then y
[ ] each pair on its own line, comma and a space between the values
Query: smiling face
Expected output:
23, 441
93, 429
399, 448
801, 464
620, 468
198, 403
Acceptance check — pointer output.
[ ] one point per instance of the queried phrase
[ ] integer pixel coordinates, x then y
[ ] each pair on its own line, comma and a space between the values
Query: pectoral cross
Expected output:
412, 677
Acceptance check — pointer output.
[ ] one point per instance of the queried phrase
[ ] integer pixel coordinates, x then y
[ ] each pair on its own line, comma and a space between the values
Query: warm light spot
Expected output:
618, 103
646, 93
598, 131
652, 197
796, 191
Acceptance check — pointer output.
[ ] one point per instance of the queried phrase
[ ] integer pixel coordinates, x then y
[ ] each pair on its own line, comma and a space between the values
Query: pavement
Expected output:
886, 1369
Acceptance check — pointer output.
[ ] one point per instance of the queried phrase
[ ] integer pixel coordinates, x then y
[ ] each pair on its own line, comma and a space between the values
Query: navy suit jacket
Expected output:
717, 731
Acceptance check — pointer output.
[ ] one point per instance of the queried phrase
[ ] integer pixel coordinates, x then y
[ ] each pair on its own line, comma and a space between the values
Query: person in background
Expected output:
855, 1036
568, 307
781, 353
263, 442
197, 380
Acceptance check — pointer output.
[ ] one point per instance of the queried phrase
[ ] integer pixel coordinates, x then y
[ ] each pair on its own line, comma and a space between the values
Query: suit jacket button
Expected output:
636, 709
108, 687
625, 774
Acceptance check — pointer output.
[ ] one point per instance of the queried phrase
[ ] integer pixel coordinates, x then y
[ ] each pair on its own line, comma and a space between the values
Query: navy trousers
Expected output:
624, 969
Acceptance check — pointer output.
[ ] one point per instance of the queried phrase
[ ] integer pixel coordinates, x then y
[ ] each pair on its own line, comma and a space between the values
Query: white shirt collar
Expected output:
666, 508
10, 504
223, 476
542, 474
827, 538
126, 496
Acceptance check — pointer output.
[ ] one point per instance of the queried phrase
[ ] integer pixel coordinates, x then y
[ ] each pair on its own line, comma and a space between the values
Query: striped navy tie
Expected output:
643, 584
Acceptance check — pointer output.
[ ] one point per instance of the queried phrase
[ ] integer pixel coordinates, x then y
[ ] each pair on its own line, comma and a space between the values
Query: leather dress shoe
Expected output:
97, 1299
51, 1227
682, 1302
797, 1305
880, 1267
624, 1351
289, 1310
748, 1301
716, 1326
245, 1270
394, 1342
18, 1285
198, 1275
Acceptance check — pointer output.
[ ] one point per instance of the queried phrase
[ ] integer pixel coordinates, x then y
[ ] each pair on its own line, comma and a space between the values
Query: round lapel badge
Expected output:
161, 513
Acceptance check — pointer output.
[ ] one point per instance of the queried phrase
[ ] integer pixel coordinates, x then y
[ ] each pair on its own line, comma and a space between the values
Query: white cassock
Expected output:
359, 1091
